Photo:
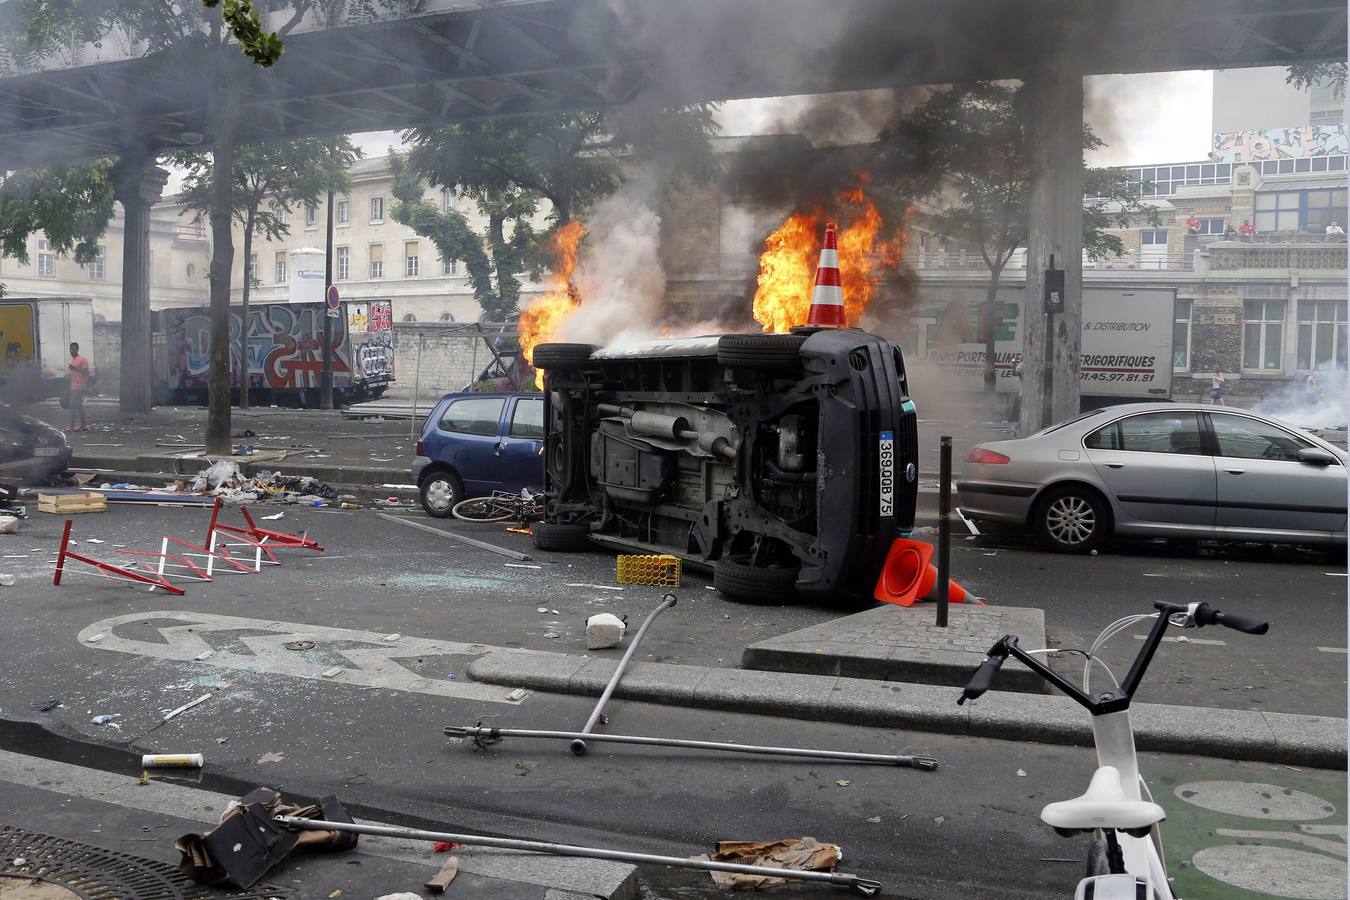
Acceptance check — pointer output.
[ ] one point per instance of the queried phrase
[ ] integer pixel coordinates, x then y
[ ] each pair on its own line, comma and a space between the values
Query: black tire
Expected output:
761, 352
438, 492
754, 584
563, 537
562, 356
1072, 519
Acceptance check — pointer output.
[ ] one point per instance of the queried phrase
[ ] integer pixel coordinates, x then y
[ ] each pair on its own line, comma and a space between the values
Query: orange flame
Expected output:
543, 319
787, 267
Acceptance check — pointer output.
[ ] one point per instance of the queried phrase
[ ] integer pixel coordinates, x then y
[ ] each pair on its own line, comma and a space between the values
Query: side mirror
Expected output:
1316, 456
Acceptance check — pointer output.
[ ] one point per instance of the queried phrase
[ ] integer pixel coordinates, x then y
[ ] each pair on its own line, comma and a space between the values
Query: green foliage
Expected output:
1304, 75
258, 44
71, 205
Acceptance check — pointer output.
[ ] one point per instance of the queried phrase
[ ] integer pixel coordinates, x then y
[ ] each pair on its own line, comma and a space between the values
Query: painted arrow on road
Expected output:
373, 662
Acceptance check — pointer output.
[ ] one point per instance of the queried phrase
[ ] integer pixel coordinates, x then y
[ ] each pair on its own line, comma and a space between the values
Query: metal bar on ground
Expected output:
926, 763
864, 886
578, 745
481, 545
944, 553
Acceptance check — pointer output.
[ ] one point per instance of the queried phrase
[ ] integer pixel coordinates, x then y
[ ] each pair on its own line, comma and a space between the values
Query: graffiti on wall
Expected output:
284, 347
1281, 143
371, 326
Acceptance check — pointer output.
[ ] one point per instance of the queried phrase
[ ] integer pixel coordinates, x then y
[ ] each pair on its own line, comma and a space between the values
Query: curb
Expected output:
1282, 738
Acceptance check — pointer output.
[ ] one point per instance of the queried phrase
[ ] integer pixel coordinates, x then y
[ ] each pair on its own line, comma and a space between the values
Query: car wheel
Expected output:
761, 352
562, 356
439, 492
1072, 519
754, 584
563, 537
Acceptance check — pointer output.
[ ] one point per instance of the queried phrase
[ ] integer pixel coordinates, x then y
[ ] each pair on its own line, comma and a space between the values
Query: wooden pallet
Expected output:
66, 504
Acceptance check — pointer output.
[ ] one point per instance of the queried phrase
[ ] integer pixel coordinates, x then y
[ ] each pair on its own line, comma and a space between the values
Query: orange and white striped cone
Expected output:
827, 299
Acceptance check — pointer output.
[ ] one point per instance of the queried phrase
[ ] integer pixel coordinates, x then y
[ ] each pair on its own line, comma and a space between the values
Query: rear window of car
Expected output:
473, 415
1066, 423
527, 419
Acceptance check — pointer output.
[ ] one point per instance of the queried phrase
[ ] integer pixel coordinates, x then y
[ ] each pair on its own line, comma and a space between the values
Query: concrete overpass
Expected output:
524, 57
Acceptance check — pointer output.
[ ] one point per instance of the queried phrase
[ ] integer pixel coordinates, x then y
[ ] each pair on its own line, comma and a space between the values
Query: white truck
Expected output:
1126, 347
35, 338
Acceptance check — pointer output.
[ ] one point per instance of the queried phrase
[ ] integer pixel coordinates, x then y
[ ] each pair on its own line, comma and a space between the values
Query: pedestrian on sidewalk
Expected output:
1216, 386
80, 379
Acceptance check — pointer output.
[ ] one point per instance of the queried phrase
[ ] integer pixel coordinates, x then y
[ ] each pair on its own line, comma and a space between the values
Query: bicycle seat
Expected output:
1103, 805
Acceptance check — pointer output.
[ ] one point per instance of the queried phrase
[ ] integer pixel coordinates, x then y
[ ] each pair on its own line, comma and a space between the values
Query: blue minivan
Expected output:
475, 443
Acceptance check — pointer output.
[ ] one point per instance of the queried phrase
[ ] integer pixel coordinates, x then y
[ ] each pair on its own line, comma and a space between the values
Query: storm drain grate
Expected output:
98, 874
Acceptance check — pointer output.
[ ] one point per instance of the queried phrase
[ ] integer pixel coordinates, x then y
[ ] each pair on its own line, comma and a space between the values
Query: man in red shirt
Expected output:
1193, 225
1246, 230
80, 377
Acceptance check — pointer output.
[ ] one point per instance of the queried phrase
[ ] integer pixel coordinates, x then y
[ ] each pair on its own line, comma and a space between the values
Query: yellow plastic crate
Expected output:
660, 569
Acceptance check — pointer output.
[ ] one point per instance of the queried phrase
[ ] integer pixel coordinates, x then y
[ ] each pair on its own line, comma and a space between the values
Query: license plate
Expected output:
47, 451
887, 456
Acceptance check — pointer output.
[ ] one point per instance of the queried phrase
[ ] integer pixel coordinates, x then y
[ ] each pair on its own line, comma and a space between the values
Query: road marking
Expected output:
1187, 640
374, 666
1332, 649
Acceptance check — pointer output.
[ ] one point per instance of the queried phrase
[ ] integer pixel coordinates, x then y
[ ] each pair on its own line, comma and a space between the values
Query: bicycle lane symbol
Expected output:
1269, 832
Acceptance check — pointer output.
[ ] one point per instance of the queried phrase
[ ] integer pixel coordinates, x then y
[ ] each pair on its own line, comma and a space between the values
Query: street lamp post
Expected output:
326, 380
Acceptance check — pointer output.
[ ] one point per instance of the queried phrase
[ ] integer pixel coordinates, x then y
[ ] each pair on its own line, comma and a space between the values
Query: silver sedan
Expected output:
1161, 470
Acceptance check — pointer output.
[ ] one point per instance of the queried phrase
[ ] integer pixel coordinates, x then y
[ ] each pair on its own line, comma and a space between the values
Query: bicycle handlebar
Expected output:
983, 677
1208, 615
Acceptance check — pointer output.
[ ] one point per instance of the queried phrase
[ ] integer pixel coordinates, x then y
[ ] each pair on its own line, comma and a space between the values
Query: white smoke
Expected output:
619, 275
1318, 401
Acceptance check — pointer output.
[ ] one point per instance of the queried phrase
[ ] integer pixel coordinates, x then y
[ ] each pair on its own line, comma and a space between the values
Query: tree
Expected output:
270, 179
973, 139
70, 204
1304, 75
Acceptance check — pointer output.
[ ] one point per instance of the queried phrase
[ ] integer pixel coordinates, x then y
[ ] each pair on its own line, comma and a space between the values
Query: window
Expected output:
449, 267
474, 415
447, 200
251, 268
1181, 335
1323, 208
410, 259
344, 211
190, 271
311, 216
447, 317
1151, 237
281, 267
1211, 226
46, 260
344, 262
1299, 210
1321, 333
527, 421
96, 269
1162, 432
1242, 438
377, 260
1262, 335
376, 210
409, 317
283, 214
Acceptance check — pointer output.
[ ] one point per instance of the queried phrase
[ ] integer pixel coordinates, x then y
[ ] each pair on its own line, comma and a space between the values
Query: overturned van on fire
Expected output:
782, 461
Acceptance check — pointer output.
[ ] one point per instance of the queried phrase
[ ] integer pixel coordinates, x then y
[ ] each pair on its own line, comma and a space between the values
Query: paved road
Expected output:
373, 732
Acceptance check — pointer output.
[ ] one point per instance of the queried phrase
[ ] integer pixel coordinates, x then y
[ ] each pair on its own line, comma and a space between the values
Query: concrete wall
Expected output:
1248, 99
431, 360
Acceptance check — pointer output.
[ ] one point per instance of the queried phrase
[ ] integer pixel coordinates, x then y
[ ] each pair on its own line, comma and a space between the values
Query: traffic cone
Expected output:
827, 299
909, 575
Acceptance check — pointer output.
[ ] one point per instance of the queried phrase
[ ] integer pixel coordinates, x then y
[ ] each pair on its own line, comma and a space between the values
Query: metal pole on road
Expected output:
864, 886
926, 763
326, 379
944, 529
579, 745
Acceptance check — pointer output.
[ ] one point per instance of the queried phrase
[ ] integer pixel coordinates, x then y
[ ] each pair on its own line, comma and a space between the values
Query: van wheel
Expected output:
1072, 519
562, 356
439, 492
754, 584
563, 537
761, 352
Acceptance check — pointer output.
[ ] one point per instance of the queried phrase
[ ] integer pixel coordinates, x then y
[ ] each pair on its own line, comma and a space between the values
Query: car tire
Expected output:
1072, 519
438, 492
754, 584
561, 537
562, 356
761, 352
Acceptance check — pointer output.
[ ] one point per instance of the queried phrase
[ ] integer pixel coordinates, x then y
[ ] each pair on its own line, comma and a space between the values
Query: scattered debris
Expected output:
604, 630
273, 518
172, 761
598, 587
7, 580
843, 782
874, 819
95, 638
185, 707
392, 637
46, 705
441, 880
802, 854
445, 846
299, 645
660, 569
205, 654
271, 757
521, 566
9, 524
1021, 773
543, 610
333, 672
517, 695
939, 820
103, 720
94, 541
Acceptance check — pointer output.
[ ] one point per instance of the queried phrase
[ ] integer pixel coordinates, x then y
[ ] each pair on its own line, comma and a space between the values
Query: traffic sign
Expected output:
332, 296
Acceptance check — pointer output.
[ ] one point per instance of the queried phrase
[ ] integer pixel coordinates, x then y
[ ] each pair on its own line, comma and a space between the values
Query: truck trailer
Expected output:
35, 337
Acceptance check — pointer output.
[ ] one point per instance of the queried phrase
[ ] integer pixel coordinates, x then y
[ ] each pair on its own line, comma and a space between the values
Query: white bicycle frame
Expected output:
1114, 736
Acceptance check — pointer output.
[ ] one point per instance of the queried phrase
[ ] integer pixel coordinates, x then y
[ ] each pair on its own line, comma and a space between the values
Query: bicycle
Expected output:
501, 506
1125, 856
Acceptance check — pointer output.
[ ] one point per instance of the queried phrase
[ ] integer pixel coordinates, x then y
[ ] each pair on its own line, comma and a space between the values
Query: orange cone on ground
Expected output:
909, 575
827, 298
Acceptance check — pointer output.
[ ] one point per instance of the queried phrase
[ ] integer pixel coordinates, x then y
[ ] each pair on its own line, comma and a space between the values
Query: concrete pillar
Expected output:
138, 183
1052, 114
